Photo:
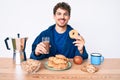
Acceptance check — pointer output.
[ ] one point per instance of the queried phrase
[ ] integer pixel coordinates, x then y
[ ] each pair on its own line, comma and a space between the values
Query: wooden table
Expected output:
108, 70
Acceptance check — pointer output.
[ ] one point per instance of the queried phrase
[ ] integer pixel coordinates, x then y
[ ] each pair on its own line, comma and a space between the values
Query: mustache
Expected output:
62, 19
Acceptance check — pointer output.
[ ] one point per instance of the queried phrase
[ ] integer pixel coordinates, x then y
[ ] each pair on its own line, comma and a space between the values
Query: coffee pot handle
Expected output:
6, 43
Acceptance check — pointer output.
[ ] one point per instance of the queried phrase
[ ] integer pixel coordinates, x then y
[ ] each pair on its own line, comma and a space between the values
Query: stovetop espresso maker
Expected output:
18, 45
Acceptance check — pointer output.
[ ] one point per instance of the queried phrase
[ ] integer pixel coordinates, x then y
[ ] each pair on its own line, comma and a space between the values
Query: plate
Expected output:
54, 69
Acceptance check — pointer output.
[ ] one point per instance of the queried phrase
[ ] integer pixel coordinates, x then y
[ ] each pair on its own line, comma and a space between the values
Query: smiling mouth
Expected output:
62, 20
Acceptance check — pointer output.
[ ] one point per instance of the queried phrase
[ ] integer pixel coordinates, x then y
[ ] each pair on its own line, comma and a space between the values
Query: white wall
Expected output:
97, 20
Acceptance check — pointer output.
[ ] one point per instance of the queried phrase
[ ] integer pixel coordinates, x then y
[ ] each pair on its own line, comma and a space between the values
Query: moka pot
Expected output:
18, 45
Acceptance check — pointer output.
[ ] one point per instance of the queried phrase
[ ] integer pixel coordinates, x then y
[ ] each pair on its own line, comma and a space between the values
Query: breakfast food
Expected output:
73, 33
78, 60
89, 68
58, 62
31, 65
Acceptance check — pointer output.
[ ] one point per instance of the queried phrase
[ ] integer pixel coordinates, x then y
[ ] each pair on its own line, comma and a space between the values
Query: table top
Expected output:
108, 70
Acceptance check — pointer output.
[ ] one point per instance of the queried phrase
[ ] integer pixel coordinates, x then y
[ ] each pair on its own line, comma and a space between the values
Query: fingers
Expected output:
80, 38
79, 42
40, 49
79, 45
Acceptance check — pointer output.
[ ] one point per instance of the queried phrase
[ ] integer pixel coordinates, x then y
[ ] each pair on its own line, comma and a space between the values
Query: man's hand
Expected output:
40, 49
79, 43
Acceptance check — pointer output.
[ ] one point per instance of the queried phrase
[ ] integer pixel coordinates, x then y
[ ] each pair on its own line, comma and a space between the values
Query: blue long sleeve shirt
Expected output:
69, 49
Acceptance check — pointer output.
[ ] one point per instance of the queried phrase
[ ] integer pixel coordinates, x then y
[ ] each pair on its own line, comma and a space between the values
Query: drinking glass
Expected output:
46, 41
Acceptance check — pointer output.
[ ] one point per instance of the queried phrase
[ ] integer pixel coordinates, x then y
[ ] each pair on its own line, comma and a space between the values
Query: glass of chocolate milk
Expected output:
46, 41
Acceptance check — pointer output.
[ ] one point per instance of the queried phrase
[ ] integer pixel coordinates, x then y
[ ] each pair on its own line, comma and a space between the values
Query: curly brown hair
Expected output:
62, 5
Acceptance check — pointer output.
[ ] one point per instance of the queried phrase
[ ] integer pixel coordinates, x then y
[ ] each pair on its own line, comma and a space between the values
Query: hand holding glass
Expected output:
46, 41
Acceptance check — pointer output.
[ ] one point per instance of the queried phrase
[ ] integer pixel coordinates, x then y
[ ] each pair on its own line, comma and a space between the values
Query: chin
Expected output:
62, 25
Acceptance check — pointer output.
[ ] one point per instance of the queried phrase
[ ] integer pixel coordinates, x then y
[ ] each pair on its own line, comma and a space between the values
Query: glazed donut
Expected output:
73, 33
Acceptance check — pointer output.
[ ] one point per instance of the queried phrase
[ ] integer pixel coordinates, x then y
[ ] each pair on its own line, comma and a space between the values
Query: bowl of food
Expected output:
31, 65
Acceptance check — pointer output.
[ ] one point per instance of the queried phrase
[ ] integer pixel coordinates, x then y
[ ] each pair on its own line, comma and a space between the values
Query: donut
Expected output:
73, 33
89, 68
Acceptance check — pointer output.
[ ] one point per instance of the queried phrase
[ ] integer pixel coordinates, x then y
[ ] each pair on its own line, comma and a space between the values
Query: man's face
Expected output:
61, 17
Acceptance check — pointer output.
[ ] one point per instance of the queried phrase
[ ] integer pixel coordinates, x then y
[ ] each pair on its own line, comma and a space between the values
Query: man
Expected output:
60, 41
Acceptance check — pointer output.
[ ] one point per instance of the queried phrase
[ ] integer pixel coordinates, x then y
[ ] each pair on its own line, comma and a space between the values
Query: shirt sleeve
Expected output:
84, 55
37, 41
39, 57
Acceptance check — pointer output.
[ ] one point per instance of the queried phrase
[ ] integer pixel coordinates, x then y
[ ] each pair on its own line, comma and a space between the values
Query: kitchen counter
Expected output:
108, 70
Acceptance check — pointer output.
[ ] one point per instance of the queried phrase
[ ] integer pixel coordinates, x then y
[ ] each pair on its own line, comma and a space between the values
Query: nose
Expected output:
62, 16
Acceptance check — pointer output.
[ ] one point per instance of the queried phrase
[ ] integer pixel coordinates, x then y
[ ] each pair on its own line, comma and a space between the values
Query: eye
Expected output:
66, 14
58, 13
